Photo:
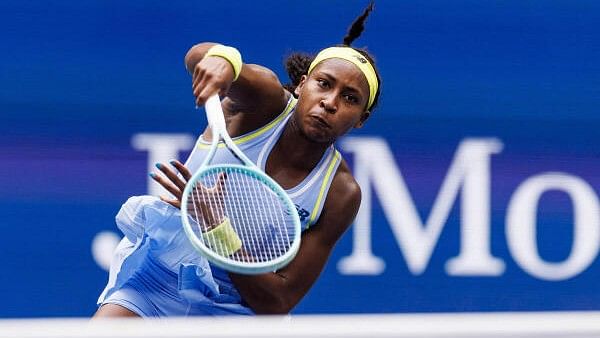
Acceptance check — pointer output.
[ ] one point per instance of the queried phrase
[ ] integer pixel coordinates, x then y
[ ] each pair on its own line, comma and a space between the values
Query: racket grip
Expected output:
214, 114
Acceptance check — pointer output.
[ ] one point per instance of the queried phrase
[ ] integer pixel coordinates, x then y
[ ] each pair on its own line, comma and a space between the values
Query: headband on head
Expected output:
350, 54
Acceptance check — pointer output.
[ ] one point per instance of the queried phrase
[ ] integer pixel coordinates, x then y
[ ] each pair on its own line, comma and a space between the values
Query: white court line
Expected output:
513, 324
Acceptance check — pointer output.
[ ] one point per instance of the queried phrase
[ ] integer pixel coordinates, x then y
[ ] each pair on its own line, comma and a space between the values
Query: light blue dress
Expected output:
156, 272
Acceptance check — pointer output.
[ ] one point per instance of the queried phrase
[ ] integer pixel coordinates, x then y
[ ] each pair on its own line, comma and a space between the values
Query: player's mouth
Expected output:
320, 121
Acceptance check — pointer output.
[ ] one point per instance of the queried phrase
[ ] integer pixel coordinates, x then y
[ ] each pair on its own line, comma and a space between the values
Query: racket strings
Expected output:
256, 213
268, 211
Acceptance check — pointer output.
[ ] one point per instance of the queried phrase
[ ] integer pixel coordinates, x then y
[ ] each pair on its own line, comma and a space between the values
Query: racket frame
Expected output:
216, 121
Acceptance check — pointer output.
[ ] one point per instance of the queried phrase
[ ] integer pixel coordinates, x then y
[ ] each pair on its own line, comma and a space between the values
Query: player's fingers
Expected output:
172, 176
205, 93
220, 184
208, 215
173, 202
198, 88
196, 83
201, 81
198, 74
194, 210
167, 185
204, 81
182, 169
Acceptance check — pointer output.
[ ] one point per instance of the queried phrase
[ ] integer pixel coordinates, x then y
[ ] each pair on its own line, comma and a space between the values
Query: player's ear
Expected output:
363, 118
300, 85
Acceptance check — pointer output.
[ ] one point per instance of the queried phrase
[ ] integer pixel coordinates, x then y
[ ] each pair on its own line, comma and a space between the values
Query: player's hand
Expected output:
213, 74
172, 182
207, 201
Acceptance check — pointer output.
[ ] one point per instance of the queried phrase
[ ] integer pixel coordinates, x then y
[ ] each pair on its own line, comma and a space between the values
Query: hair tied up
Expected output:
358, 26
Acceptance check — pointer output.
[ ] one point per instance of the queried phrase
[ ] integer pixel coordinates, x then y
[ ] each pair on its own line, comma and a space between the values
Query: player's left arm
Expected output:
279, 292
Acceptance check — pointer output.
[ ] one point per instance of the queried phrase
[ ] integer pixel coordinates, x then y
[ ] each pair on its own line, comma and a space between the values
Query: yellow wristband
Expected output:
230, 54
223, 239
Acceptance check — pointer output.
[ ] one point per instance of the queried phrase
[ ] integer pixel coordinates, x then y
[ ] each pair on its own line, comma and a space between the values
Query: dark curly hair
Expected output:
297, 64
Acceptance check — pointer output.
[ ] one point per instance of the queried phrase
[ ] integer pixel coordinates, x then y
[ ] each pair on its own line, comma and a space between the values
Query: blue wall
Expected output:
79, 79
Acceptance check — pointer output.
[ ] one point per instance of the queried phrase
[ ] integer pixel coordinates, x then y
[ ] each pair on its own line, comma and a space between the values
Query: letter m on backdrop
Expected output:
469, 173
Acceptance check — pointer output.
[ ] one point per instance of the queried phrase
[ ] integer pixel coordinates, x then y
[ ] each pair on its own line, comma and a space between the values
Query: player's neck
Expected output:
299, 151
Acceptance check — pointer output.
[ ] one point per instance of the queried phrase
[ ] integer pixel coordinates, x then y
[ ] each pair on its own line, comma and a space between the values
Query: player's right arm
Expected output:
257, 93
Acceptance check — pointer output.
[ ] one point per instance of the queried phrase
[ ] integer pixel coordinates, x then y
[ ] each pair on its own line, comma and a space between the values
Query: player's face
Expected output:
332, 100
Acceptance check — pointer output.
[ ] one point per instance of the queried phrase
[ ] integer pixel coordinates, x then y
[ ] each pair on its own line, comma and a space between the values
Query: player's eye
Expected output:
323, 83
351, 98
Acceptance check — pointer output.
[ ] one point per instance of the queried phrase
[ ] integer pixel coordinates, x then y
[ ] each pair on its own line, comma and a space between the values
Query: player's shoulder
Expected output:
258, 83
344, 191
262, 71
341, 205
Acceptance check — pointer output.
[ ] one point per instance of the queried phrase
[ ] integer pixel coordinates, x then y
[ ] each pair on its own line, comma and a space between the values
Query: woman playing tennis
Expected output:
289, 132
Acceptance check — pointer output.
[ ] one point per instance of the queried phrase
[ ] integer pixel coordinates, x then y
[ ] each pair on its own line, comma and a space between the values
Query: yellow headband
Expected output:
350, 54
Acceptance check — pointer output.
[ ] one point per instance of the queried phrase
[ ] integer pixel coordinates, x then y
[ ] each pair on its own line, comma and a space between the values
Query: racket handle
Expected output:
214, 114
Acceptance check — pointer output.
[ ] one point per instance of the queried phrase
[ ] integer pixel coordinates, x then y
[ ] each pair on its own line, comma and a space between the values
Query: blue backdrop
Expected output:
78, 81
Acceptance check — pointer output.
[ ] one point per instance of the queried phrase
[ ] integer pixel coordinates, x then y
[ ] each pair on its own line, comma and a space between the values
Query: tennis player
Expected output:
289, 132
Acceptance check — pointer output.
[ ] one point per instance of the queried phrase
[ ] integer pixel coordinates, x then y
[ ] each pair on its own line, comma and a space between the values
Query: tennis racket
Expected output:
235, 215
